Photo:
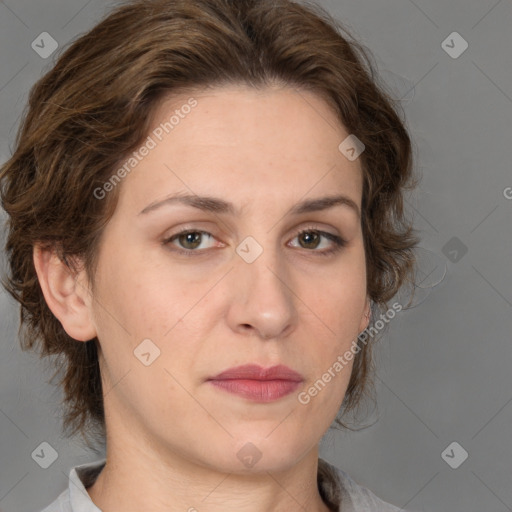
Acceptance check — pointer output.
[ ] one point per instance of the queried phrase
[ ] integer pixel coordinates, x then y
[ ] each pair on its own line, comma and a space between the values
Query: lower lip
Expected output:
257, 390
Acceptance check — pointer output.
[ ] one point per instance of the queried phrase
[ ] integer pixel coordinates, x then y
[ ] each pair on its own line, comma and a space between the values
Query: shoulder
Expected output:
363, 499
347, 494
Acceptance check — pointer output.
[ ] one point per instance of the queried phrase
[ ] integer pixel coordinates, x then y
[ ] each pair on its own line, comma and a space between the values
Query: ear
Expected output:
66, 293
365, 318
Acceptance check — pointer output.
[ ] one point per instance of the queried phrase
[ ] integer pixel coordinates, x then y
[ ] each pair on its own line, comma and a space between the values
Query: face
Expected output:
253, 280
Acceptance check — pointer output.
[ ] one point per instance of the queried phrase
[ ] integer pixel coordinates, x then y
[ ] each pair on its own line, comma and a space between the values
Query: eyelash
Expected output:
339, 242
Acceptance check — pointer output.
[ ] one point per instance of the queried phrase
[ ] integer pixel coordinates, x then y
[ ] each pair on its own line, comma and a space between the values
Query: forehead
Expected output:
239, 113
272, 142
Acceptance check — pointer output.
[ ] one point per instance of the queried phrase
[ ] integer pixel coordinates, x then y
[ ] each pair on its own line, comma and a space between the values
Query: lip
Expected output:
256, 372
257, 383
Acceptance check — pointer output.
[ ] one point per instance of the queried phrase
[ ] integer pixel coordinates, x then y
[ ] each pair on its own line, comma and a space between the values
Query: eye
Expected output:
189, 240
311, 239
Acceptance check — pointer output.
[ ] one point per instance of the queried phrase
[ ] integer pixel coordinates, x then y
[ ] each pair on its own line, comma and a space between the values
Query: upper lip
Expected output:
256, 372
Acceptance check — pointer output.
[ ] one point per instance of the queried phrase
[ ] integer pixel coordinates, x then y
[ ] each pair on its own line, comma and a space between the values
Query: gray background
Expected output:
444, 366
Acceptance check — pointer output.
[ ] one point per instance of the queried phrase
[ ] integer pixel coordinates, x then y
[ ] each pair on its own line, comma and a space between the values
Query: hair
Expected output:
95, 106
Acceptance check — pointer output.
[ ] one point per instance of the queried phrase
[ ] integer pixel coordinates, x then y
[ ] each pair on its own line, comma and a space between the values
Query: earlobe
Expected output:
68, 300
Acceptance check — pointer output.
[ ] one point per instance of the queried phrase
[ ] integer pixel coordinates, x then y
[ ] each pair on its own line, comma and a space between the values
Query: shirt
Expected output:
337, 488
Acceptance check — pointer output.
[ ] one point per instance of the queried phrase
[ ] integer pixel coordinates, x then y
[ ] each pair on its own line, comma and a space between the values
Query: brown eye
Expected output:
187, 241
311, 239
192, 237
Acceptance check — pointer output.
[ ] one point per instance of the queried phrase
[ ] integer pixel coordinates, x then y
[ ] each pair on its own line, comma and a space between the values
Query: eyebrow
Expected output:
217, 205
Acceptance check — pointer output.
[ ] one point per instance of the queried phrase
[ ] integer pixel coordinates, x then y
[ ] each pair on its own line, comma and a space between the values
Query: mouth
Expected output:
258, 384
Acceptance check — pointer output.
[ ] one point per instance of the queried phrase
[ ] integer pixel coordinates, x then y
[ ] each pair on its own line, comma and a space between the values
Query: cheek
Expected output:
137, 299
141, 313
333, 320
338, 296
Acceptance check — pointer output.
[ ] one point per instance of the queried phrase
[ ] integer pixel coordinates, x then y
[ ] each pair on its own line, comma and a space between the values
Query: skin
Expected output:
172, 437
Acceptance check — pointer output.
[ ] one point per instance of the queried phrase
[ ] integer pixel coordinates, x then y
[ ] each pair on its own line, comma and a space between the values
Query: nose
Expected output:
261, 298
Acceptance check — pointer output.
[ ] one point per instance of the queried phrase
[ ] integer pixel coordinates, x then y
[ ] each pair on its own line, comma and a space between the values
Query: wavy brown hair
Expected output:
94, 107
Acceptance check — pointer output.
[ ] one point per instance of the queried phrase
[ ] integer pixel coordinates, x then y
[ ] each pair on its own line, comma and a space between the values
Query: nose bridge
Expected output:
262, 298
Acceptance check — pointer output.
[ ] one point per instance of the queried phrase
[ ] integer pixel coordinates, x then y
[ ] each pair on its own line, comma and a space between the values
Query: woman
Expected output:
206, 205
